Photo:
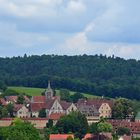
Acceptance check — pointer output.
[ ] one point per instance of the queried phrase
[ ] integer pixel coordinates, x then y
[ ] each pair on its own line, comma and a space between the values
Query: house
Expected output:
13, 99
101, 136
60, 136
90, 112
125, 137
51, 103
133, 126
38, 123
55, 117
21, 111
103, 106
3, 102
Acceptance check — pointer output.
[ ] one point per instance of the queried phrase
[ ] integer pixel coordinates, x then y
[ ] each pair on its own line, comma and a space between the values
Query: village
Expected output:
54, 108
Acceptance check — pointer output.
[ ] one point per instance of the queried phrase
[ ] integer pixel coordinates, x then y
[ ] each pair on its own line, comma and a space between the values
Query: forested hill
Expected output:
99, 75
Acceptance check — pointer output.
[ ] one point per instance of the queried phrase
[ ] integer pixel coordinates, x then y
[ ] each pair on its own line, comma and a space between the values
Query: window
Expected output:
20, 112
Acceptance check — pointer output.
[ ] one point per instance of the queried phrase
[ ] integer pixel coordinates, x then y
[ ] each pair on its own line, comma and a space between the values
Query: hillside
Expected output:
37, 91
97, 75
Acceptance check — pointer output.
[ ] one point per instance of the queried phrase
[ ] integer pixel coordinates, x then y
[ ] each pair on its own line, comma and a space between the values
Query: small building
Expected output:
21, 111
125, 137
60, 136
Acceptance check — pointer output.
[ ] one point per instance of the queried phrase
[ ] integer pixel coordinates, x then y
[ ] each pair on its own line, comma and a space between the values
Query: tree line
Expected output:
99, 75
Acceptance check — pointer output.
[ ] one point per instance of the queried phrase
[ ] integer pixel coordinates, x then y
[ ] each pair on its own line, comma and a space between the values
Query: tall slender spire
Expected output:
49, 84
49, 92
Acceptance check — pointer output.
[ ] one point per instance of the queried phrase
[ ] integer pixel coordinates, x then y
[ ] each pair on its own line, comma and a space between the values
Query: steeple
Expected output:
49, 85
49, 91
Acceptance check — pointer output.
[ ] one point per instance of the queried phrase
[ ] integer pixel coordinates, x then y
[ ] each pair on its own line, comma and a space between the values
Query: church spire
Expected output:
49, 84
49, 92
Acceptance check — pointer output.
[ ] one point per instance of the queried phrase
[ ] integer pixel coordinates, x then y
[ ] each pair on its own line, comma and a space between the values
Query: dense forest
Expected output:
98, 75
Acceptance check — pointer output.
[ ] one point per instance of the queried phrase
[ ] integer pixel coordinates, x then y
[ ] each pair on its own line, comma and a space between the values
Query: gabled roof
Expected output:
96, 102
90, 110
3, 102
11, 98
65, 105
36, 106
17, 107
60, 136
38, 99
14, 99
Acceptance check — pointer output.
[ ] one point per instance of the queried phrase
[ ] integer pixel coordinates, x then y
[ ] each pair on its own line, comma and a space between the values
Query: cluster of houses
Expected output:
92, 108
54, 108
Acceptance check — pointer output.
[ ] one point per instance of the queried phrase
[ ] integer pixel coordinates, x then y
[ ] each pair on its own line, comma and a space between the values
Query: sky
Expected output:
70, 27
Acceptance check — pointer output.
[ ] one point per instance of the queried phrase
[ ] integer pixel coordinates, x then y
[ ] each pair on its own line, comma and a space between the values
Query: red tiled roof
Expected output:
65, 104
126, 137
133, 126
6, 119
27, 99
55, 116
99, 102
50, 103
37, 106
14, 98
60, 136
38, 99
3, 102
17, 107
96, 102
11, 98
88, 136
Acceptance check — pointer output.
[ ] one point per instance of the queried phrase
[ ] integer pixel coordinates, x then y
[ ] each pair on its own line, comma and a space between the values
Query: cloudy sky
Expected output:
70, 27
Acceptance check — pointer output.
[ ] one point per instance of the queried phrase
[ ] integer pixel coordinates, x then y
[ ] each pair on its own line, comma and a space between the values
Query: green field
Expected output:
37, 91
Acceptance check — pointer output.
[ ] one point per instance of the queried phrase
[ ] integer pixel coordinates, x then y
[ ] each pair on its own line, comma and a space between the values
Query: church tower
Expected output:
49, 92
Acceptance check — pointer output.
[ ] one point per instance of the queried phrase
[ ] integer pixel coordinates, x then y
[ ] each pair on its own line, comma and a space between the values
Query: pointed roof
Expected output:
65, 105
49, 85
49, 89
37, 106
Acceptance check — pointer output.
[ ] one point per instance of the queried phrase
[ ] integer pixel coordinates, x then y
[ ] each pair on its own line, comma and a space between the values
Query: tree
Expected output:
65, 95
20, 130
42, 113
3, 112
75, 123
20, 99
49, 124
10, 109
3, 87
123, 131
69, 138
94, 128
104, 127
76, 96
122, 109
50, 130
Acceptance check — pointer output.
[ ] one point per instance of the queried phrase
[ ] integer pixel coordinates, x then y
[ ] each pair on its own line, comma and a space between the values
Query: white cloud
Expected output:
72, 26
